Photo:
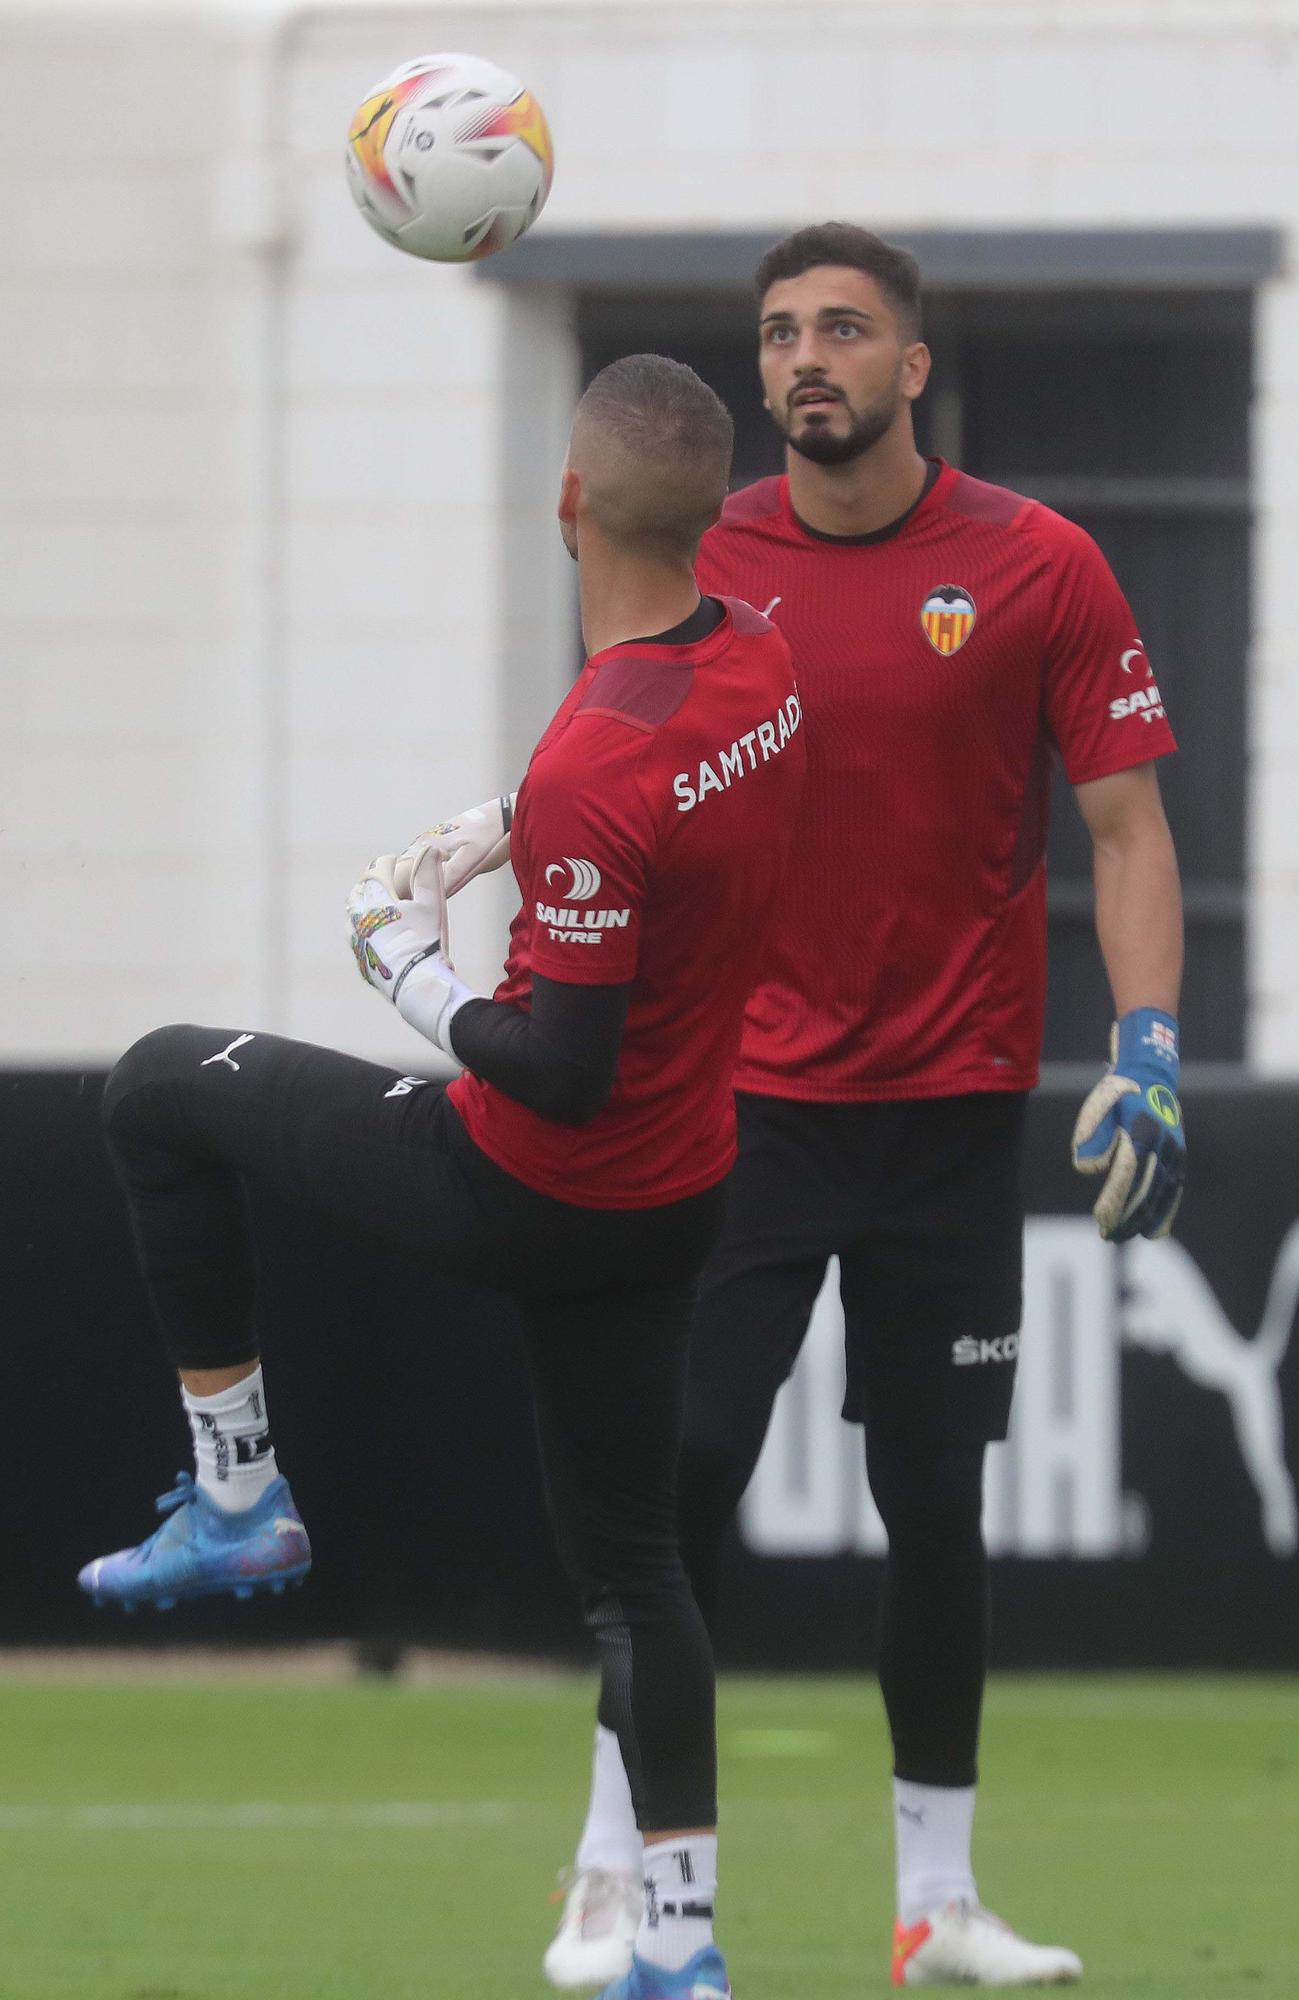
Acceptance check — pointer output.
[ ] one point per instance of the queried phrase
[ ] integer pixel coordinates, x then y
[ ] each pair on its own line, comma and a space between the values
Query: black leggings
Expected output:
196, 1116
933, 1633
933, 1637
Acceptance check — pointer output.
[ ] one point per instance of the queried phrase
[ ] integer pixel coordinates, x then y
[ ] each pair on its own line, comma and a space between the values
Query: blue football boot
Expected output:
704, 1978
201, 1551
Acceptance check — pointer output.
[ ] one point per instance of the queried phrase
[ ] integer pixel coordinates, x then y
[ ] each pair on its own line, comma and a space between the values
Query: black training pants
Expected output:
196, 1115
920, 1202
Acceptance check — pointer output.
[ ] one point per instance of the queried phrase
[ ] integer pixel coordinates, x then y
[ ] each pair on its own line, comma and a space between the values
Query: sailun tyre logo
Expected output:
584, 878
574, 918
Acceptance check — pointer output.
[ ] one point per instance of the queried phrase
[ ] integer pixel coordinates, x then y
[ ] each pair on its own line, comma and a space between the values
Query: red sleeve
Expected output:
587, 842
1102, 702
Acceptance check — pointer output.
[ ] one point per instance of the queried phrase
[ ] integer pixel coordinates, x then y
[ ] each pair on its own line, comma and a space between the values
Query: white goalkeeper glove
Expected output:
400, 944
473, 843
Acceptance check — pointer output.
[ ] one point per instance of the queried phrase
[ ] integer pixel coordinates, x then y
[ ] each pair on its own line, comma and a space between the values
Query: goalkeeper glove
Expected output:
399, 943
1130, 1130
473, 843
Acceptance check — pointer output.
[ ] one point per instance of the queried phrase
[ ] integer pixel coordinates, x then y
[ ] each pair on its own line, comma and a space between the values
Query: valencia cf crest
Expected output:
947, 616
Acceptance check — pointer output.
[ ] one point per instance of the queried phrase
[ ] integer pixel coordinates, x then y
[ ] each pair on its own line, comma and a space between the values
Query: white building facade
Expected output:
278, 578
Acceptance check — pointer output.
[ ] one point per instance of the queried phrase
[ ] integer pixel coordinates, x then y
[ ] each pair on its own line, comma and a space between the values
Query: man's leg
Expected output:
192, 1115
747, 1332
933, 1648
933, 1665
609, 1377
932, 1304
756, 1299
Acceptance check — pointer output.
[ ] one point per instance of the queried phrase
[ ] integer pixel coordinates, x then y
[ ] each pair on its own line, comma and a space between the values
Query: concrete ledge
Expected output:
951, 259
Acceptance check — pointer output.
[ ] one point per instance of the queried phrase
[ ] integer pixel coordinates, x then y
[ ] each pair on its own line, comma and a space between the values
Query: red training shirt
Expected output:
940, 666
649, 837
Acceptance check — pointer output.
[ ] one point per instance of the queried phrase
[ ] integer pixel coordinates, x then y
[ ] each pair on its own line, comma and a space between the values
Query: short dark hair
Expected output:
657, 443
894, 270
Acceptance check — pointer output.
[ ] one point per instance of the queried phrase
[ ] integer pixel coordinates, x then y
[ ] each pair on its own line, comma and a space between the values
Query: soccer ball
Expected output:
450, 158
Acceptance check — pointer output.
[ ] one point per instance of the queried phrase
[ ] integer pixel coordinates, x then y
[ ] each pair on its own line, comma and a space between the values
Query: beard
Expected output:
826, 447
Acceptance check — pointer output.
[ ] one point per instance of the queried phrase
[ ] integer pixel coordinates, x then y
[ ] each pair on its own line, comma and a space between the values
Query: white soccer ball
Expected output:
450, 158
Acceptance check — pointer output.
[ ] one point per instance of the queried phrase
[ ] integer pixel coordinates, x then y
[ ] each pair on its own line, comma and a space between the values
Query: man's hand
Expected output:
1130, 1130
400, 944
473, 843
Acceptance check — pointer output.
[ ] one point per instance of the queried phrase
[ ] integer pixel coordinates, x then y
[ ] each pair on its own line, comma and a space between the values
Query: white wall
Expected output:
278, 576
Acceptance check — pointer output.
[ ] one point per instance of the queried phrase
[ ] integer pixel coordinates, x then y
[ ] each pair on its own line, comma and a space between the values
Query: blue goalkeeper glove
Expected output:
1130, 1130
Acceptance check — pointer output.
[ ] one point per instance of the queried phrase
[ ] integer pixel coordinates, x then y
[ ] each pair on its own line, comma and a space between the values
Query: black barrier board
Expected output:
1142, 1513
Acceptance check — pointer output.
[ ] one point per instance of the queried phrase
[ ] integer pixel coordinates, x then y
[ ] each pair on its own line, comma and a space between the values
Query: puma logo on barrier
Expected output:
1169, 1307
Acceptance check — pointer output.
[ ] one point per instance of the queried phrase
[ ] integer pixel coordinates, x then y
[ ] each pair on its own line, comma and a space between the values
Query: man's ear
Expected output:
916, 362
570, 495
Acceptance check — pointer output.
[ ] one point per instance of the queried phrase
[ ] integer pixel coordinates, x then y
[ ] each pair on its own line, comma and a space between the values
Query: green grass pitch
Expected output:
188, 1840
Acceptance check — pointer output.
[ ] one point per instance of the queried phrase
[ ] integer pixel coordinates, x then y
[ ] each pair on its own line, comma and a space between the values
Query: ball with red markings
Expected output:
450, 158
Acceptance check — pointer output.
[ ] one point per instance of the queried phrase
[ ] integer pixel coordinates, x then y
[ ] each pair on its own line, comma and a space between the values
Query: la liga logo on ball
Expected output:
450, 158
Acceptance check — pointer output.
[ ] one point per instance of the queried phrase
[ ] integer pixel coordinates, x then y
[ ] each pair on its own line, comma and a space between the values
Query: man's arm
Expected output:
559, 1059
1138, 891
1130, 1128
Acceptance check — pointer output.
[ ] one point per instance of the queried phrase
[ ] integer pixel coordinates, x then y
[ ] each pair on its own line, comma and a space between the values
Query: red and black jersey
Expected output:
649, 838
940, 667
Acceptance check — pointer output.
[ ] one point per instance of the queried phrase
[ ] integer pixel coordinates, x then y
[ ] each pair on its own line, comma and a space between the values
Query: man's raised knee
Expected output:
155, 1058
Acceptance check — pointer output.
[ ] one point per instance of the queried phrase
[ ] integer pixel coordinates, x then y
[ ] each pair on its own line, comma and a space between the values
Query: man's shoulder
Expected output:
752, 503
980, 501
645, 691
751, 507
972, 499
642, 691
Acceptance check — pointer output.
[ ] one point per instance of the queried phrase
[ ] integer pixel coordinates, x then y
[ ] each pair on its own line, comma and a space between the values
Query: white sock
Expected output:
680, 1890
234, 1460
933, 1827
611, 1838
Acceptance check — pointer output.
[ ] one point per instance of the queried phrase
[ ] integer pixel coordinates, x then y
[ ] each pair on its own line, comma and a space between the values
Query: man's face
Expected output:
837, 366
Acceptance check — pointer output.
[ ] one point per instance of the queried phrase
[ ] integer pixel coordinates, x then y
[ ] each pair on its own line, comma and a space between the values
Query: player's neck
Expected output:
624, 597
863, 496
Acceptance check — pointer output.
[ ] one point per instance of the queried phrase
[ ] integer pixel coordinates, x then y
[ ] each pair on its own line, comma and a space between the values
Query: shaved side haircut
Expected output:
894, 270
652, 446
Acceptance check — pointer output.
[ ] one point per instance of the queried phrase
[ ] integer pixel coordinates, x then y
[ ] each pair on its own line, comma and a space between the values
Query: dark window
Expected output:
1129, 413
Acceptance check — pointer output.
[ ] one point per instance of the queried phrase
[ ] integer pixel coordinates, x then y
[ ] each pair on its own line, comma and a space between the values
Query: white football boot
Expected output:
593, 1945
965, 1945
